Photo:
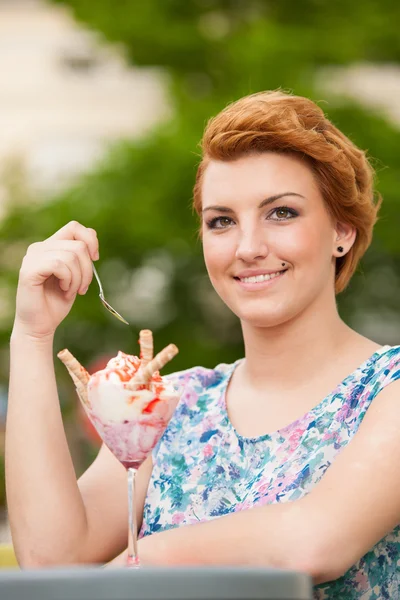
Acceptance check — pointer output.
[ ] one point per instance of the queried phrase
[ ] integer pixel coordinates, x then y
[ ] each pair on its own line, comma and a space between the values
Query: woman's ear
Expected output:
343, 239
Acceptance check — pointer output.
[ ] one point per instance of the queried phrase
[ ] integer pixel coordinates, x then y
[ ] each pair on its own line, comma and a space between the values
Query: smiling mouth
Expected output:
260, 278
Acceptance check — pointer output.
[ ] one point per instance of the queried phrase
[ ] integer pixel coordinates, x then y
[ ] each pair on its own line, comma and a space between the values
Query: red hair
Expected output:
279, 122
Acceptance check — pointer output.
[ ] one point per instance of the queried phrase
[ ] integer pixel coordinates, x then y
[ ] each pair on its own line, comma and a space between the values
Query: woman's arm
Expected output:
356, 503
42, 492
54, 520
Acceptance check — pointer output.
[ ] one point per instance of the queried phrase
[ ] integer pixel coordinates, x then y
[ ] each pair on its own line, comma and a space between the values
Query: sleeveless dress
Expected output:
204, 469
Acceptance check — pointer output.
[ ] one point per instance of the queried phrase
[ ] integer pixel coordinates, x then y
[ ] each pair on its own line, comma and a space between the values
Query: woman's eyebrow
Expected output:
265, 202
277, 197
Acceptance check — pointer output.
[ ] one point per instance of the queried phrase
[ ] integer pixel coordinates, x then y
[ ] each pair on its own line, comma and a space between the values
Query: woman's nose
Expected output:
252, 245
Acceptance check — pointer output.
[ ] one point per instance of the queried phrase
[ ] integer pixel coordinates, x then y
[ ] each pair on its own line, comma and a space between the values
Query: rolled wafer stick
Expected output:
83, 395
146, 347
78, 373
159, 361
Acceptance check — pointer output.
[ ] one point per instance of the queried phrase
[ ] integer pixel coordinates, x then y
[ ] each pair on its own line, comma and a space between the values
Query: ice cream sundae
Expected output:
128, 402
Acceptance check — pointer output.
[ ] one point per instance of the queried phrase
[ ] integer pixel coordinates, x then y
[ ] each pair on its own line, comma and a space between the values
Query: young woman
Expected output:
287, 458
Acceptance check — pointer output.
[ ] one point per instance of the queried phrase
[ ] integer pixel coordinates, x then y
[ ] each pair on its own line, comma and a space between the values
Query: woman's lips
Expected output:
259, 285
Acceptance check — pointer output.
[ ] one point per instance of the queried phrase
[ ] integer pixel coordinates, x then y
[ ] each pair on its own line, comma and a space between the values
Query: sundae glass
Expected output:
130, 405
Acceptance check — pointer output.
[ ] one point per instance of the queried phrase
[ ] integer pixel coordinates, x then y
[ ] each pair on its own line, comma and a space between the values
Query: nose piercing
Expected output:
283, 264
340, 249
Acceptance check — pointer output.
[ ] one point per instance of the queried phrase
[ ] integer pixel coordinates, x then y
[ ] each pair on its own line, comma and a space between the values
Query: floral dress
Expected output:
204, 469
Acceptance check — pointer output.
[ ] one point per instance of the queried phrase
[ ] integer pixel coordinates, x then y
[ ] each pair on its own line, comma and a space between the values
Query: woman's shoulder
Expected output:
201, 377
387, 358
382, 369
387, 365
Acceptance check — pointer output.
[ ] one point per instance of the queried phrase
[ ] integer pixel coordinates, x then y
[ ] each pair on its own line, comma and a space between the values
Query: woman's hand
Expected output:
53, 272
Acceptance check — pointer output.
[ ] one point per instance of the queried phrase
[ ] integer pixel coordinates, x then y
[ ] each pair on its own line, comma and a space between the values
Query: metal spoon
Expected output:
104, 301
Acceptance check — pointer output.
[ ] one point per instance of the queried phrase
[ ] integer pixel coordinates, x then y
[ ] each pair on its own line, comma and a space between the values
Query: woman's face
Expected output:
268, 240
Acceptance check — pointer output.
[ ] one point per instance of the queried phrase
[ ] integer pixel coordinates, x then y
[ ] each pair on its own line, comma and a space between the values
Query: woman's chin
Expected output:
267, 317
263, 323
263, 320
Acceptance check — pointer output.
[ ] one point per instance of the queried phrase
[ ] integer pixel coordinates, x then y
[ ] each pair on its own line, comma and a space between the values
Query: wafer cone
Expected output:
158, 362
146, 347
78, 373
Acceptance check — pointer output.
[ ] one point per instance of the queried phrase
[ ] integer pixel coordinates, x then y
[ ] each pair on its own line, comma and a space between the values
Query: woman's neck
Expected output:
294, 351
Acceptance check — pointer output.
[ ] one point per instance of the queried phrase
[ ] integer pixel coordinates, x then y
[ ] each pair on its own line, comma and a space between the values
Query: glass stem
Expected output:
133, 559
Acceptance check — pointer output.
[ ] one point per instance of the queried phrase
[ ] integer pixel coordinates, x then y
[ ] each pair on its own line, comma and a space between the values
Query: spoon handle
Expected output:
98, 281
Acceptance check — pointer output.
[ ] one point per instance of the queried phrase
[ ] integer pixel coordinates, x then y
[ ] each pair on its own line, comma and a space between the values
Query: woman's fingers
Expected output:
76, 231
71, 260
67, 255
60, 269
65, 265
78, 248
36, 269
52, 273
82, 252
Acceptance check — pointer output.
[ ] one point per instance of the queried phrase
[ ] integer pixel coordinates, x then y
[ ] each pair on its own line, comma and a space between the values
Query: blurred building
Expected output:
65, 93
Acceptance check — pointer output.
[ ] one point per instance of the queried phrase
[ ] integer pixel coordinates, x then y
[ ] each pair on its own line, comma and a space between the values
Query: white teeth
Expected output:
260, 278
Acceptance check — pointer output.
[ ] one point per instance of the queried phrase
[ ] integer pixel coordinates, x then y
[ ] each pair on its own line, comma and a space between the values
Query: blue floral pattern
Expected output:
204, 469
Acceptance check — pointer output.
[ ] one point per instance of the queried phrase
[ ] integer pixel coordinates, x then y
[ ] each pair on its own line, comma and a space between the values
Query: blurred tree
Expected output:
139, 197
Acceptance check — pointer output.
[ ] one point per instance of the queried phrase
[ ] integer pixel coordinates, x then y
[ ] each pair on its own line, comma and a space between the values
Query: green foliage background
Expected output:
138, 199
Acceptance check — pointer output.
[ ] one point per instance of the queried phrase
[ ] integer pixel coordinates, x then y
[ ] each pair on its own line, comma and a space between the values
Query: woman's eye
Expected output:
219, 223
283, 213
